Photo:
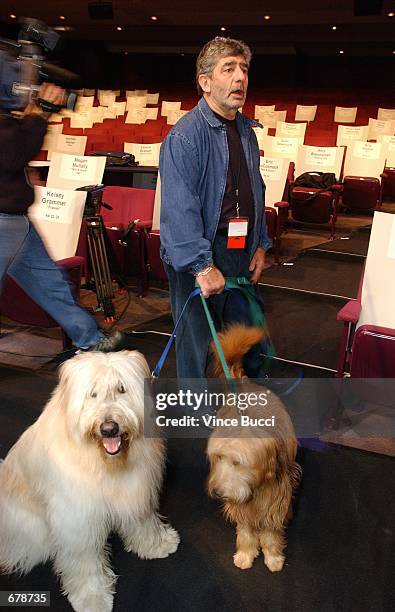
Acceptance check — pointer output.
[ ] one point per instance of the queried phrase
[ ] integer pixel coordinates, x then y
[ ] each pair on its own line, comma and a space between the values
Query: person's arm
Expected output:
181, 219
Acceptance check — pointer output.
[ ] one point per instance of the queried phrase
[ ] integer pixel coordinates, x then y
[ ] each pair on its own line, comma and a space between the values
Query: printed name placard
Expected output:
82, 119
145, 154
274, 172
270, 118
120, 108
294, 130
348, 133
280, 146
136, 102
169, 106
57, 215
153, 98
386, 114
136, 115
377, 127
109, 113
84, 102
345, 114
73, 171
174, 115
50, 136
67, 143
260, 136
97, 113
365, 159
323, 159
262, 109
107, 98
305, 113
390, 140
151, 113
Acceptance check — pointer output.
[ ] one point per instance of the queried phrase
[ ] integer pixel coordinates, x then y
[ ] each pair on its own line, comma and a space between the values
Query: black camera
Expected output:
23, 67
94, 200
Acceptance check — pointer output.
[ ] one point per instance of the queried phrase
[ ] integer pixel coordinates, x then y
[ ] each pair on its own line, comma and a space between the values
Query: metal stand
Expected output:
99, 262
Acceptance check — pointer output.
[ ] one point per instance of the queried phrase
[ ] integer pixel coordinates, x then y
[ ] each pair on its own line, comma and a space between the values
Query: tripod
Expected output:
100, 268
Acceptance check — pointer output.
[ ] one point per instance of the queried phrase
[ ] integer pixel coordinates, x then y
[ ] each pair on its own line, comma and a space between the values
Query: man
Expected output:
22, 252
212, 203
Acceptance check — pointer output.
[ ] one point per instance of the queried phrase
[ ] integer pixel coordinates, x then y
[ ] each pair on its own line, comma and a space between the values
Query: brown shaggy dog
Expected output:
252, 463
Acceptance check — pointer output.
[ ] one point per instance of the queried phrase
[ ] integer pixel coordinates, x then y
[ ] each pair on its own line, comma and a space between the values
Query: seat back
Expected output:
128, 204
373, 353
365, 159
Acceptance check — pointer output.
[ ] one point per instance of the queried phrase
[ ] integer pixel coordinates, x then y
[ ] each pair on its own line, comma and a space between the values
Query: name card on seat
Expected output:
291, 130
169, 106
84, 102
174, 115
107, 98
282, 147
377, 127
260, 136
345, 114
50, 136
365, 159
319, 159
152, 98
120, 108
136, 102
386, 114
151, 113
57, 216
274, 172
67, 143
270, 118
348, 133
73, 171
145, 154
390, 140
259, 110
82, 119
305, 113
136, 115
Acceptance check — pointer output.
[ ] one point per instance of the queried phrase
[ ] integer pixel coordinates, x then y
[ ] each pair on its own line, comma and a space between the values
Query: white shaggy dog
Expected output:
82, 470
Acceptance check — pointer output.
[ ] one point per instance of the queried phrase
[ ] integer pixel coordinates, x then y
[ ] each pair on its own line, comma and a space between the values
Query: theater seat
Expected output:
17, 305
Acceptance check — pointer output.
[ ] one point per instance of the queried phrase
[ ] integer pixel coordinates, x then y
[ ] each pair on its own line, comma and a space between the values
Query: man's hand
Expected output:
257, 265
211, 283
49, 93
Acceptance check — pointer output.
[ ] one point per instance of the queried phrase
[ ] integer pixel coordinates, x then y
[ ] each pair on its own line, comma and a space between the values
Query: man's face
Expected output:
226, 88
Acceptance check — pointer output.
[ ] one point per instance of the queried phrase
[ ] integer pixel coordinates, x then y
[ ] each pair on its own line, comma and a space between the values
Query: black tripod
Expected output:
97, 250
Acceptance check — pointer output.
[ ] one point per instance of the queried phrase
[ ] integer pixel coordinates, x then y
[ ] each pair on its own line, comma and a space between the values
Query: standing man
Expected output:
212, 212
22, 252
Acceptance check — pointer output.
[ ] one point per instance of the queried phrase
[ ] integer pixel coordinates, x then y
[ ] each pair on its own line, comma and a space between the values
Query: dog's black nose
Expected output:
109, 429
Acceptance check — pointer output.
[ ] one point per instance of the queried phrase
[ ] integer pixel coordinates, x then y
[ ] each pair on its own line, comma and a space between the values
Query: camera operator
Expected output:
22, 252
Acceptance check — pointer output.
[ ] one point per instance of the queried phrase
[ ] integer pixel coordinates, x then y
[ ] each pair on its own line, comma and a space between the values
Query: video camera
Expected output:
23, 67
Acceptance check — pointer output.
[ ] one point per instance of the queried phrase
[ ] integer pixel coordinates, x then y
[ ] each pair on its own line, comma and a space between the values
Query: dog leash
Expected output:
156, 371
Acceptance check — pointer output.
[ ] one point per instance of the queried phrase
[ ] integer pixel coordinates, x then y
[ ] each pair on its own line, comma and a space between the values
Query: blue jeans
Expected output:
24, 257
193, 334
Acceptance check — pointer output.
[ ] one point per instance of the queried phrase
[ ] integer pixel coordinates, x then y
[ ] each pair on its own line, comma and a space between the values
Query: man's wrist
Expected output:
205, 271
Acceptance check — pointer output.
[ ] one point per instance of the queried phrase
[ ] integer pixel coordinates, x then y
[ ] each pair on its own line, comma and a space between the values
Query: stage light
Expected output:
266, 17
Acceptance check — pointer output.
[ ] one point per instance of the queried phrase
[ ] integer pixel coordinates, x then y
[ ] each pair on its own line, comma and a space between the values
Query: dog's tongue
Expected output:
112, 445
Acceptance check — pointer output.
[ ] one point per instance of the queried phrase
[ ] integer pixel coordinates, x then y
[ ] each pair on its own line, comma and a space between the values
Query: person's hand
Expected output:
257, 265
48, 92
211, 283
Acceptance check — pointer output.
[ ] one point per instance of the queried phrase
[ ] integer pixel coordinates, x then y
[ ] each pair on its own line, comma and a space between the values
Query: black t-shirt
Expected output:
238, 178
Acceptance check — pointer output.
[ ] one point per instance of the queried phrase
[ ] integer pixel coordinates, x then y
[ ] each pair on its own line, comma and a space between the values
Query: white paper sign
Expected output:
89, 92
136, 102
319, 159
291, 130
82, 119
152, 98
68, 143
259, 110
120, 108
270, 118
109, 113
260, 135
174, 115
274, 172
145, 154
55, 118
386, 114
84, 102
169, 106
136, 115
151, 113
57, 216
50, 136
348, 133
107, 98
377, 127
390, 140
73, 171
305, 113
282, 147
345, 114
365, 159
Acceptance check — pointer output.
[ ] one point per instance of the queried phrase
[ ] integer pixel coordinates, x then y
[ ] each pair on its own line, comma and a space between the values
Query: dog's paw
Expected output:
97, 602
165, 544
274, 563
243, 560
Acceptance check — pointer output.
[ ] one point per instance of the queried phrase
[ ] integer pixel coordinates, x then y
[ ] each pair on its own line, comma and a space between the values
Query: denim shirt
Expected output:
193, 166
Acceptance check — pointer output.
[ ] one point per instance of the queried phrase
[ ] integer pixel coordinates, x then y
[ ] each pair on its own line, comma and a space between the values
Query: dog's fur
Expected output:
81, 471
253, 470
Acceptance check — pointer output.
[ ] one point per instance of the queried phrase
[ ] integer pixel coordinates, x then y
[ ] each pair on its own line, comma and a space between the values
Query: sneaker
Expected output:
115, 342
